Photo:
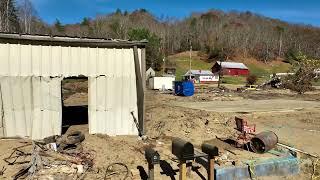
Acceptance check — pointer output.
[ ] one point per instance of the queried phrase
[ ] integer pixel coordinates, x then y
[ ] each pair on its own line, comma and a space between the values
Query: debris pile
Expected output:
55, 156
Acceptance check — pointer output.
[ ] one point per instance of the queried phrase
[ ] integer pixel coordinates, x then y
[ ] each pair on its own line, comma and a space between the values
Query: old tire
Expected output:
74, 138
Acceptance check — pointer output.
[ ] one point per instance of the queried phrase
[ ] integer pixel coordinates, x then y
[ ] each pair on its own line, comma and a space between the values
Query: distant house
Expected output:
150, 73
230, 68
170, 71
202, 76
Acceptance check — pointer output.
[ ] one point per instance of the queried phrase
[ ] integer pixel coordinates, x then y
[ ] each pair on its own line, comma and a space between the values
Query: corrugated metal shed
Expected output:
31, 70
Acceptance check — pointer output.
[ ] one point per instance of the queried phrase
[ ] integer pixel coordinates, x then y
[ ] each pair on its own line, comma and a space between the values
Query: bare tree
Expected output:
27, 14
8, 16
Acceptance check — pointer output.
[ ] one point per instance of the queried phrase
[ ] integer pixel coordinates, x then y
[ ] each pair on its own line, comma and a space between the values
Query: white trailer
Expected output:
161, 83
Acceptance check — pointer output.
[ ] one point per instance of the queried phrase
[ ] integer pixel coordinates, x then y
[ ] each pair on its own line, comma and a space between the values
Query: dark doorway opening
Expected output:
74, 92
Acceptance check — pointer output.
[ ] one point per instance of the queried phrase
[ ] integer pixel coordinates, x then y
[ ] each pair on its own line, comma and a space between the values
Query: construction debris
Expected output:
55, 154
3, 169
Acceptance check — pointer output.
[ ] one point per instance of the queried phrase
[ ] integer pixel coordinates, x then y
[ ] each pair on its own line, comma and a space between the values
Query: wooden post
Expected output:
143, 69
151, 172
211, 169
183, 170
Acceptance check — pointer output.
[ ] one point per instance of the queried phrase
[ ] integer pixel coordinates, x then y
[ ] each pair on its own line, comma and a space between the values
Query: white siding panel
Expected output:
31, 106
56, 61
37, 60
92, 102
65, 61
4, 57
45, 60
92, 61
25, 59
112, 98
14, 59
9, 118
37, 107
47, 117
1, 115
84, 57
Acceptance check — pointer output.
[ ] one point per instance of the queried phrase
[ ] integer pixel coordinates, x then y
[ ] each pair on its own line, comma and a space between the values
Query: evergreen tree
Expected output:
85, 22
58, 26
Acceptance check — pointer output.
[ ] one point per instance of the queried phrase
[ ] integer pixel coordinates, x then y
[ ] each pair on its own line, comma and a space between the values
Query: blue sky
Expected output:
72, 11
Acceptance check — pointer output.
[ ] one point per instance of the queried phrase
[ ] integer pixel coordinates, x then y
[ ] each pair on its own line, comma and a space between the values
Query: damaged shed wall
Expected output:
31, 106
31, 72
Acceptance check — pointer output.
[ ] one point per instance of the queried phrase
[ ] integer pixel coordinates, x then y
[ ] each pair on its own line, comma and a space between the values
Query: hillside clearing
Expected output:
258, 68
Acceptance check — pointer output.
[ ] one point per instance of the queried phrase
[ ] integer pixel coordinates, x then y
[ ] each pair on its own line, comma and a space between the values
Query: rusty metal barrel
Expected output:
263, 142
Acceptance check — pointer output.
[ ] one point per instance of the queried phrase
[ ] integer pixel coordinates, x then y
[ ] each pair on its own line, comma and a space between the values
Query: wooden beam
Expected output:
143, 69
140, 91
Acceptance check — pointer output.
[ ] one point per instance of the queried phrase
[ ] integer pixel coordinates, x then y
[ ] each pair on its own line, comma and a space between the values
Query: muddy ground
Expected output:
204, 117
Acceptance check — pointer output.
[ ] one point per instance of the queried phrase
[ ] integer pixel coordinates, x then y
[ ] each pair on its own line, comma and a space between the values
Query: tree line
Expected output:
215, 34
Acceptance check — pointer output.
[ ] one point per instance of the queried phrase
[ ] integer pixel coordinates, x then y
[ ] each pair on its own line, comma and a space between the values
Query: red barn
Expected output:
230, 68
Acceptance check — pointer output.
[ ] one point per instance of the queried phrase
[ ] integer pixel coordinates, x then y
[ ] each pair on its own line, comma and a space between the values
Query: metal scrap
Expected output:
3, 169
42, 157
16, 154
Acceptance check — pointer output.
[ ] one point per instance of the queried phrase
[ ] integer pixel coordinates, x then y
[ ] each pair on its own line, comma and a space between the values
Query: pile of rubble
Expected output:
55, 157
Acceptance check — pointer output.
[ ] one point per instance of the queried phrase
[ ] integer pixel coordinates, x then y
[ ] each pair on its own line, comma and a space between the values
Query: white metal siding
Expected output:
32, 103
36, 60
112, 98
1, 116
31, 106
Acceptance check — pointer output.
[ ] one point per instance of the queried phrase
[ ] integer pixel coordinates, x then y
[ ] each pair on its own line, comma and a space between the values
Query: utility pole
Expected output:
220, 73
164, 65
190, 56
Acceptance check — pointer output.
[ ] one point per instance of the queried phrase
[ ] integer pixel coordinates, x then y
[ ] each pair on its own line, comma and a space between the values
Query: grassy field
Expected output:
260, 69
182, 64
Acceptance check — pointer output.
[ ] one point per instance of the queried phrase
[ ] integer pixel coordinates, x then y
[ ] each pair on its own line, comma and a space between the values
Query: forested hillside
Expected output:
217, 34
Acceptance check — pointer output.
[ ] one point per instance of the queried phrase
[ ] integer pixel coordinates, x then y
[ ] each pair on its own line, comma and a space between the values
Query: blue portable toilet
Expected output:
183, 88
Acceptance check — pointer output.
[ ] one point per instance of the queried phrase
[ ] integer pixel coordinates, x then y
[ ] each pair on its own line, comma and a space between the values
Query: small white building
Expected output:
150, 73
161, 83
202, 76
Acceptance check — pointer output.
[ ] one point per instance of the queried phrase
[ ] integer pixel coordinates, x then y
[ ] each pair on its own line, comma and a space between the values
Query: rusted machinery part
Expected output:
263, 142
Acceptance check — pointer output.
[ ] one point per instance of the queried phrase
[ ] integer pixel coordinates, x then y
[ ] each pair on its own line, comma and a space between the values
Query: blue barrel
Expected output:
183, 88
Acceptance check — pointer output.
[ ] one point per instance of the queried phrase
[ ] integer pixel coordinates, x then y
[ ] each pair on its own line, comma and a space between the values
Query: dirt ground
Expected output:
203, 117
